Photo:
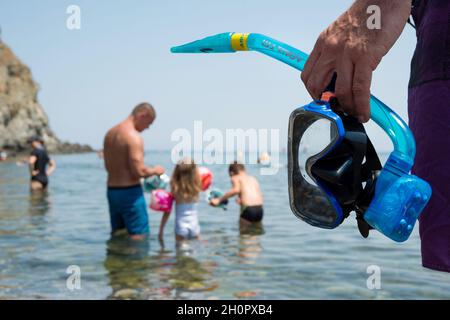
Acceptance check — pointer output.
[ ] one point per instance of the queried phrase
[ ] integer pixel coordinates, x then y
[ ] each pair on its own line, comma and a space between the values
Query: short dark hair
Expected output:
144, 107
235, 168
34, 138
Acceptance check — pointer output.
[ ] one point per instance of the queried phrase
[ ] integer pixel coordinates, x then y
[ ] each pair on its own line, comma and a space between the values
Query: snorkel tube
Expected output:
392, 124
399, 197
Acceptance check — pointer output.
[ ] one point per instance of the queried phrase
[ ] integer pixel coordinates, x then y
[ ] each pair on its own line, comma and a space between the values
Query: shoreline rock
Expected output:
21, 115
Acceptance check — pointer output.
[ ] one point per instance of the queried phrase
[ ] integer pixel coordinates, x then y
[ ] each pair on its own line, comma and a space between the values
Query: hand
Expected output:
34, 173
215, 202
352, 50
158, 170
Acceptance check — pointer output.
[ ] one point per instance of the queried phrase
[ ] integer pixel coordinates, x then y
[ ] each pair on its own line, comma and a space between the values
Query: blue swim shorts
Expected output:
128, 209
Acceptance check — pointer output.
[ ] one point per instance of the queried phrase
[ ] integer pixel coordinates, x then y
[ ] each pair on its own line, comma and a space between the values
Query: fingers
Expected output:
312, 60
313, 57
354, 77
343, 88
319, 80
362, 79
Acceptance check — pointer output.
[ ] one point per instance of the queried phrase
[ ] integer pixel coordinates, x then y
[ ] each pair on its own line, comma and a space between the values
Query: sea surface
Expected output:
58, 246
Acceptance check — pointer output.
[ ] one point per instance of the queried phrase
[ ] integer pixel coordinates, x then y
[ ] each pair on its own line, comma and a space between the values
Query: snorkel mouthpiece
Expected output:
392, 199
220, 43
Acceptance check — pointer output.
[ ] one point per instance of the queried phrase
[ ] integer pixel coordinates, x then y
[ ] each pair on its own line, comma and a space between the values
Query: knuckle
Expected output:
355, 50
331, 44
303, 77
322, 37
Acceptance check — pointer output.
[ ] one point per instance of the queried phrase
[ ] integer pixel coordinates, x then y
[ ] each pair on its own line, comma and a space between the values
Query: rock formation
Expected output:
21, 115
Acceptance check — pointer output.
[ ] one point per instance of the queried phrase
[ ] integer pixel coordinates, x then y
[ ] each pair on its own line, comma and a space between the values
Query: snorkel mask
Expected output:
330, 178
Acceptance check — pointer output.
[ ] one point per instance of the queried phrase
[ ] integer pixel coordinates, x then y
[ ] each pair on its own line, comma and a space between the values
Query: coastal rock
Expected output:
21, 115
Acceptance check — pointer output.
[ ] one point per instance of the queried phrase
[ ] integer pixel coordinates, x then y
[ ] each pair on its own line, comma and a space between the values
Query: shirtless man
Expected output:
124, 161
249, 194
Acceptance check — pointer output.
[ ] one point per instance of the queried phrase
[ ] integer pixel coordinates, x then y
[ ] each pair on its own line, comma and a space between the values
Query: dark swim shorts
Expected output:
42, 179
252, 213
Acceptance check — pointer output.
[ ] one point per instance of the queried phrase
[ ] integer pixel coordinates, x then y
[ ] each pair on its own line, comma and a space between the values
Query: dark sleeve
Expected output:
35, 153
45, 156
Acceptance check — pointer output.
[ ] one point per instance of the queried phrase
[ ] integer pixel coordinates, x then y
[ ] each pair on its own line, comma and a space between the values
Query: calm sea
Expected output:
41, 236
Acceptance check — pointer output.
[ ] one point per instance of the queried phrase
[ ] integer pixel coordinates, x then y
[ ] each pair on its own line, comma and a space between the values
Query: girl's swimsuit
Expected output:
186, 220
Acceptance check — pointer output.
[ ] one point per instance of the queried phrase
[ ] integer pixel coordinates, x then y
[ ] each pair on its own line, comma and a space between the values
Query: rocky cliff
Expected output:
21, 115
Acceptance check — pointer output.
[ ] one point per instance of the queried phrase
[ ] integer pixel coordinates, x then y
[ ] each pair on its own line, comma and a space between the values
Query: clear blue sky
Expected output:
91, 78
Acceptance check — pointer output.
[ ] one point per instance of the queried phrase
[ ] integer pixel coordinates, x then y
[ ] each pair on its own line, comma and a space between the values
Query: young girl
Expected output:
185, 187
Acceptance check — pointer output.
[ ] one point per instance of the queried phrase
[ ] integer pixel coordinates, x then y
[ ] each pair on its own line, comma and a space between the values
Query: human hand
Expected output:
34, 173
214, 202
352, 50
158, 170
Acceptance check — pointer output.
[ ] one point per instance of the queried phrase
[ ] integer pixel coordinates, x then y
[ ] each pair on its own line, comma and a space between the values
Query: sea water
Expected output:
42, 238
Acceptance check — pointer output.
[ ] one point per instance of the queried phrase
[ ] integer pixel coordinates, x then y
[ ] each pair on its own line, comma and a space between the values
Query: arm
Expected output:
162, 225
51, 167
352, 50
136, 154
31, 161
234, 191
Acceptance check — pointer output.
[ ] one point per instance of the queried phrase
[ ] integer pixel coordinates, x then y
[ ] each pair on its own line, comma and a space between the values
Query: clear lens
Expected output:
311, 137
316, 138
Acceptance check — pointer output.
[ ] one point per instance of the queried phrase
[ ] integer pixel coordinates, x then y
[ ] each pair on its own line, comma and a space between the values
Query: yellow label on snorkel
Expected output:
239, 41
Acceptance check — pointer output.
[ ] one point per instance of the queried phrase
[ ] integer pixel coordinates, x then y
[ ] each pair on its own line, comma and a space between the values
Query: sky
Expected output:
91, 78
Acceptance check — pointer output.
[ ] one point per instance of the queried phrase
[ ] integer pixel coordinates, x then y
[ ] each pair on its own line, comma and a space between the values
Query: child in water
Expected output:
250, 198
185, 187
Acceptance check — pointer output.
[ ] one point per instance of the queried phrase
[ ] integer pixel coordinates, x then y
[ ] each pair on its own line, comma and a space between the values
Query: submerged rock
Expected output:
21, 115
126, 294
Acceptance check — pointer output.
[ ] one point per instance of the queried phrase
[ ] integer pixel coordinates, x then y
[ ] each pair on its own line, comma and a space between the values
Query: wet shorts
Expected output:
252, 213
128, 210
42, 179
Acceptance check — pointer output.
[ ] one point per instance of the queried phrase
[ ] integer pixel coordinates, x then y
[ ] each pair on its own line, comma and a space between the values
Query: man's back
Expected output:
117, 158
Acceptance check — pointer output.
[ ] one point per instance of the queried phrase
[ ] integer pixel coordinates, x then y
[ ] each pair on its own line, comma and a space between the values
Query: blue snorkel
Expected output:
399, 197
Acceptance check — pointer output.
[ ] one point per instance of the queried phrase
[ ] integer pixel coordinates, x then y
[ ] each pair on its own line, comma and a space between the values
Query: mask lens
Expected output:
316, 138
312, 135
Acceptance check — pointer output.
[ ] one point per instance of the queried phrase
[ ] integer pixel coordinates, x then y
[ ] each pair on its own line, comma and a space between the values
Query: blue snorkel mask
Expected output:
344, 174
